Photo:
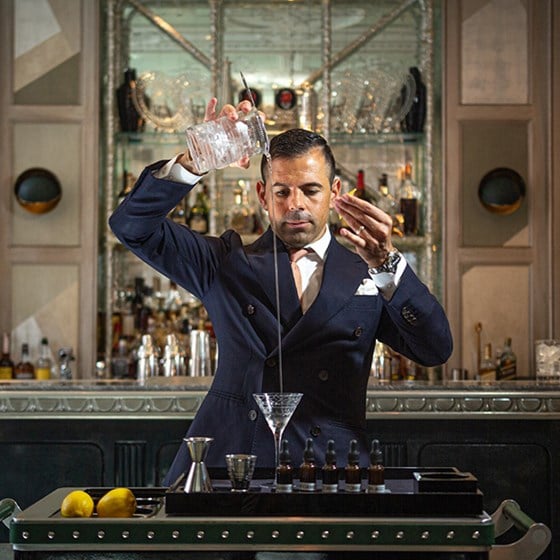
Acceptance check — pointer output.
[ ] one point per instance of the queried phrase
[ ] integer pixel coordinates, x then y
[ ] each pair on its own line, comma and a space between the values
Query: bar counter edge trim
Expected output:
386, 404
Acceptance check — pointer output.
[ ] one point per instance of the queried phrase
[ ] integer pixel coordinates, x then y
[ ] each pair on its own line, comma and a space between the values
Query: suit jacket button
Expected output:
315, 431
271, 362
252, 415
323, 375
250, 309
358, 332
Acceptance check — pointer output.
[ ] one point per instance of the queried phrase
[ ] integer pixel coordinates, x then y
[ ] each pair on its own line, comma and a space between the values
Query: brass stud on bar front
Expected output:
400, 535
175, 535
200, 535
451, 535
100, 535
350, 535
50, 535
375, 535
75, 535
425, 535
225, 534
476, 535
150, 535
250, 534
325, 535
300, 535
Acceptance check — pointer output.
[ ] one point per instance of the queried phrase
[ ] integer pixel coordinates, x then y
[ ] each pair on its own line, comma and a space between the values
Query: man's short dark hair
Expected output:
297, 142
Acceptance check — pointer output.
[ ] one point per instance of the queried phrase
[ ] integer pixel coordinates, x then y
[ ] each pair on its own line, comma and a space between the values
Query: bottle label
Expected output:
350, 487
330, 488
284, 487
307, 486
24, 375
376, 488
198, 224
6, 373
42, 373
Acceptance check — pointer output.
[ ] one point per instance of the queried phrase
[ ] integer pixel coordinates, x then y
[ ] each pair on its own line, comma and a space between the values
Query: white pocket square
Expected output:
367, 288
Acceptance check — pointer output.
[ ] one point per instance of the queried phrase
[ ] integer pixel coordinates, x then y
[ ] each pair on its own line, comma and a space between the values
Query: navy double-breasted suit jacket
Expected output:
326, 353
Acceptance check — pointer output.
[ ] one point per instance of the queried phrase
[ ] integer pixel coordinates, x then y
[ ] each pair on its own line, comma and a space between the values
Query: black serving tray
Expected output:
441, 492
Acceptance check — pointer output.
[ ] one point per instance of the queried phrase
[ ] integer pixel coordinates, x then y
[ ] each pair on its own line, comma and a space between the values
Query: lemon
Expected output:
77, 504
119, 502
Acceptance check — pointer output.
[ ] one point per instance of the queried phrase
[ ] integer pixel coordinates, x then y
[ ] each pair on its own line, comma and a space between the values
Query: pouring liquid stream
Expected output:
274, 248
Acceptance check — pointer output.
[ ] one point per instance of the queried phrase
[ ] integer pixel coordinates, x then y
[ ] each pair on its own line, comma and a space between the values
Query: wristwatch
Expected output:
388, 265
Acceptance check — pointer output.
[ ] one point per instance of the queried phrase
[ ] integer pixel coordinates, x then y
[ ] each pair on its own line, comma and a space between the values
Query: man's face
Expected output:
297, 196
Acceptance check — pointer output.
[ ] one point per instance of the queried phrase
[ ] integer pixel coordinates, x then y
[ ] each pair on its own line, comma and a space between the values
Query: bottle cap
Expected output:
376, 455
285, 458
330, 454
308, 453
353, 453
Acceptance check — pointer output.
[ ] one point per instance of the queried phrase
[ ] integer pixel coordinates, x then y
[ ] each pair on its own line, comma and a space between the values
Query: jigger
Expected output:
198, 479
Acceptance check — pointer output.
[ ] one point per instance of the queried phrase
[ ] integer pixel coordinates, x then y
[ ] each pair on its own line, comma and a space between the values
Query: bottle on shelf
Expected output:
24, 369
352, 472
361, 191
308, 469
376, 469
241, 217
284, 471
199, 215
6, 362
487, 371
129, 118
330, 471
43, 369
121, 364
508, 362
416, 116
409, 199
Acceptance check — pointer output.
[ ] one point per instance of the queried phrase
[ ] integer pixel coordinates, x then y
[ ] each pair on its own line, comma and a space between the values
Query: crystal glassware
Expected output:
277, 408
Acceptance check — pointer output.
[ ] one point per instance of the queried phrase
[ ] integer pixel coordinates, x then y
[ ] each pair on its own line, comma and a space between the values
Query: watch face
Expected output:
285, 99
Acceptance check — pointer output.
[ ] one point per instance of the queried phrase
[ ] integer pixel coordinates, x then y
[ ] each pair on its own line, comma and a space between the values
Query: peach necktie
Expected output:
295, 255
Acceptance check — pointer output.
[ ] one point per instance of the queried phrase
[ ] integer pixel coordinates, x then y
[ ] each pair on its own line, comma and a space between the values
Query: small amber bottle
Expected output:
352, 473
308, 469
330, 470
284, 471
376, 470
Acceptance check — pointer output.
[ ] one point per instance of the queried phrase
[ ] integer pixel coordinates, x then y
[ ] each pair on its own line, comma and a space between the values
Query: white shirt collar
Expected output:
321, 245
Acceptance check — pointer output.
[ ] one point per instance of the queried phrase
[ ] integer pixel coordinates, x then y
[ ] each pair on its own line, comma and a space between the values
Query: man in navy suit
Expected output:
348, 299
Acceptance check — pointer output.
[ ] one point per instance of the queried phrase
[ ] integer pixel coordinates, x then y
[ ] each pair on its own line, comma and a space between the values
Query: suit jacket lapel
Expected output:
261, 260
342, 274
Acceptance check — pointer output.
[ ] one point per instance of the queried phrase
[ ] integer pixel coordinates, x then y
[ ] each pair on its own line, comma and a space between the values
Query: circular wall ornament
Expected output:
501, 191
38, 190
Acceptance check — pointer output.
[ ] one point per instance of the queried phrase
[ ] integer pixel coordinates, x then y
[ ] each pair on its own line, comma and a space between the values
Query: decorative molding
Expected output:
183, 404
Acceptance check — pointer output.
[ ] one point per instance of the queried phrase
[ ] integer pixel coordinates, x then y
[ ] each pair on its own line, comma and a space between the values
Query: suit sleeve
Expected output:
140, 223
414, 323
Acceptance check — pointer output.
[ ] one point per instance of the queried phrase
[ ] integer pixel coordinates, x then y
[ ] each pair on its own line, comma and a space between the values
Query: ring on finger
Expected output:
360, 229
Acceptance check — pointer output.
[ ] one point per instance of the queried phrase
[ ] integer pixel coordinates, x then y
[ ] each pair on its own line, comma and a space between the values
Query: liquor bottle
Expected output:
416, 116
199, 214
376, 469
330, 471
361, 191
409, 196
508, 362
284, 471
24, 369
308, 469
129, 118
352, 473
487, 371
121, 364
241, 217
44, 363
6, 363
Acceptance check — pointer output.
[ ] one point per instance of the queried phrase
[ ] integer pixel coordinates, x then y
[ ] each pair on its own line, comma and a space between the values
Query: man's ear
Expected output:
335, 190
261, 194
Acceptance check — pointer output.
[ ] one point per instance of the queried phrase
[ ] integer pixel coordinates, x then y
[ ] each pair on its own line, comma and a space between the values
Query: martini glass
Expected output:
277, 408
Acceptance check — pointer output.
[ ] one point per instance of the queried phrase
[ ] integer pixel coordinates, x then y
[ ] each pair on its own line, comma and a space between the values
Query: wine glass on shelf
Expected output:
277, 409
